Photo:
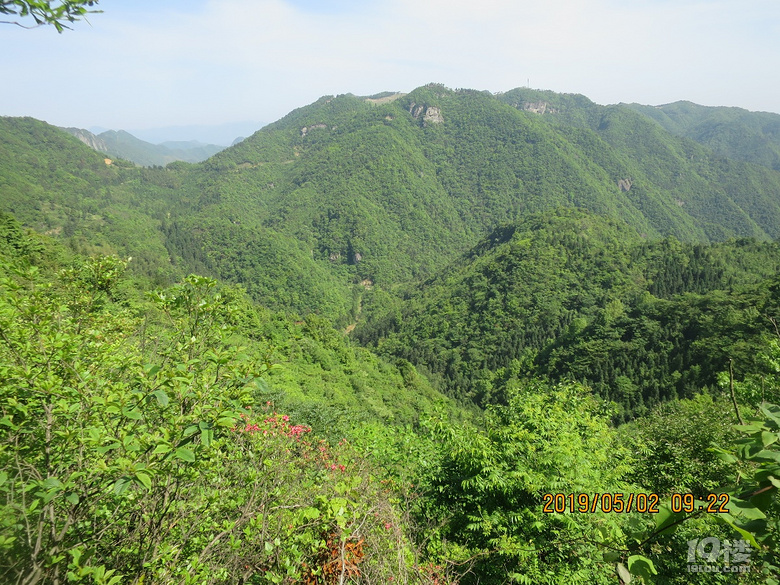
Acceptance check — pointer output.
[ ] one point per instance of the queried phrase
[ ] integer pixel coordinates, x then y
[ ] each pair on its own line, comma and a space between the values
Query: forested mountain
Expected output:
385, 190
414, 319
471, 162
61, 187
121, 144
570, 295
731, 132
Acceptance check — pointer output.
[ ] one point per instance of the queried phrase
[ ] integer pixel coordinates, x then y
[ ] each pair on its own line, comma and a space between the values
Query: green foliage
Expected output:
45, 12
90, 427
130, 450
754, 507
349, 190
142, 436
489, 485
675, 442
575, 296
731, 132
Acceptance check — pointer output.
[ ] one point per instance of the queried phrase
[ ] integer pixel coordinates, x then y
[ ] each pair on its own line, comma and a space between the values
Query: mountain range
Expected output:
124, 145
351, 196
393, 330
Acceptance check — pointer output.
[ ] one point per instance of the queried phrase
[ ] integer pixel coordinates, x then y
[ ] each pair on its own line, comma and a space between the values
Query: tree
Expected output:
46, 12
489, 488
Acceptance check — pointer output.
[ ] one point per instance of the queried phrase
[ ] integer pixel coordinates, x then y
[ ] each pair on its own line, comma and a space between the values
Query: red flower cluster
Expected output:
273, 425
276, 424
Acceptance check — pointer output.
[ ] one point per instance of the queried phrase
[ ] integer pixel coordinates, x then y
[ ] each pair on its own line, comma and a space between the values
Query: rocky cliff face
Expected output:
94, 142
431, 114
539, 108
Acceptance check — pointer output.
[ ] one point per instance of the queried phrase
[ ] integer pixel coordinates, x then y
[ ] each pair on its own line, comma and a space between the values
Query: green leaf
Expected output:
641, 566
73, 498
52, 483
765, 472
162, 397
723, 455
623, 573
766, 456
665, 518
120, 487
151, 369
745, 534
132, 414
185, 454
144, 479
750, 428
744, 510
227, 418
310, 513
161, 448
768, 438
772, 412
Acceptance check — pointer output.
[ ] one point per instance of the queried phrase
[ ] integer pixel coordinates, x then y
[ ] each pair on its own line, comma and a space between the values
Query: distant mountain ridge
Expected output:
386, 189
124, 145
731, 132
220, 134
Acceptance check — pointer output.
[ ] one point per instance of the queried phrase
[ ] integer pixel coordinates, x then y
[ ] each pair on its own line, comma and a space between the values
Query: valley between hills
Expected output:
446, 336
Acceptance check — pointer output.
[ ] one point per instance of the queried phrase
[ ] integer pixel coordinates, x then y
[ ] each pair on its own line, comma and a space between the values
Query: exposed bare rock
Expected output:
433, 115
415, 110
385, 98
539, 108
307, 129
94, 142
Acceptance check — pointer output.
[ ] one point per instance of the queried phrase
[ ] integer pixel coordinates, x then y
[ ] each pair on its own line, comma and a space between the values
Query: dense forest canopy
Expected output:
373, 341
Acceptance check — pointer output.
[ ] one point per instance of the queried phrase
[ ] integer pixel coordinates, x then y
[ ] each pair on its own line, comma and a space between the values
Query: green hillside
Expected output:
571, 295
124, 145
121, 144
351, 190
377, 193
61, 187
666, 172
440, 338
731, 132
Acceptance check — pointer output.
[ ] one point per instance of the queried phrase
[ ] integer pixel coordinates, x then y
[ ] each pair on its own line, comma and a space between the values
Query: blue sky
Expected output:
151, 63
